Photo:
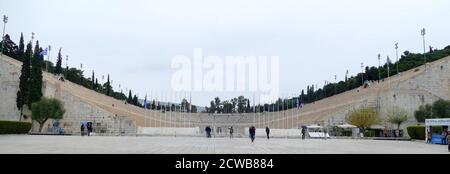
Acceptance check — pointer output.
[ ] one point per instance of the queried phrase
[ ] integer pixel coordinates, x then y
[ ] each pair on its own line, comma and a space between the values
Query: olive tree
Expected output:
396, 115
46, 108
363, 118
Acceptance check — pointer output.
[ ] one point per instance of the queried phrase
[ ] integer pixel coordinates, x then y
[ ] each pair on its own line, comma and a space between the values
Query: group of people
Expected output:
208, 131
251, 131
86, 129
445, 137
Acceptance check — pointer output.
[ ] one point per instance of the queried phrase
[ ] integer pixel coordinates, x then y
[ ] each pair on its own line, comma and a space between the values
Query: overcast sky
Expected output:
135, 41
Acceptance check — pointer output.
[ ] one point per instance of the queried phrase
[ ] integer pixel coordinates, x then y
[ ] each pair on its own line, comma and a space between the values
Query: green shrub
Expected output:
418, 132
14, 127
369, 133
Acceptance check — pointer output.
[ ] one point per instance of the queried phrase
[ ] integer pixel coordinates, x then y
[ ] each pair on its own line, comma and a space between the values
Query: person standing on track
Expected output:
231, 131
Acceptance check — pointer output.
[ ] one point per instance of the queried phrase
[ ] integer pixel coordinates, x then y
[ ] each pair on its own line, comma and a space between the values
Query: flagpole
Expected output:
178, 96
165, 110
299, 101
190, 109
184, 115
273, 114
151, 106
280, 122
285, 115
145, 110
174, 115
180, 113
293, 123
284, 112
160, 114
182, 108
179, 99
290, 110
258, 113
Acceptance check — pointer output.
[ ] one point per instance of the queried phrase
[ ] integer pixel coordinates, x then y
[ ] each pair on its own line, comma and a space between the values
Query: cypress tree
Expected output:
36, 76
92, 79
248, 106
23, 93
21, 49
130, 98
58, 69
96, 84
108, 87
135, 101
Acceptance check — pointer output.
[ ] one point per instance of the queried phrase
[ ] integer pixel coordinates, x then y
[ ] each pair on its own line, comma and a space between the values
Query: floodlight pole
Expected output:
422, 32
5, 20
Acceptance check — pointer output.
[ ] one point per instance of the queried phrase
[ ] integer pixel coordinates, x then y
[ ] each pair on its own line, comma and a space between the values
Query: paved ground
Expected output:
199, 145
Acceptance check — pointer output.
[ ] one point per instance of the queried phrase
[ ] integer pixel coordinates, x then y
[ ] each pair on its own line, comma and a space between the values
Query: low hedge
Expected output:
369, 133
418, 132
14, 127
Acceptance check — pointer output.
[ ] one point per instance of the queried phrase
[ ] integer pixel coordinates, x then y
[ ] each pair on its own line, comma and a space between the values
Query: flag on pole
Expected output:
43, 52
145, 102
190, 102
299, 105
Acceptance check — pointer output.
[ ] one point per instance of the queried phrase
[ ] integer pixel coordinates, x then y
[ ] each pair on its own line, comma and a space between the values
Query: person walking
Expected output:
444, 136
208, 132
231, 131
303, 133
429, 136
325, 132
89, 128
448, 141
252, 130
82, 129
267, 132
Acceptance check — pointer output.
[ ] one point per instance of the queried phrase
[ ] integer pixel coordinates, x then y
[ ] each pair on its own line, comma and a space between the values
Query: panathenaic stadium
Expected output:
409, 89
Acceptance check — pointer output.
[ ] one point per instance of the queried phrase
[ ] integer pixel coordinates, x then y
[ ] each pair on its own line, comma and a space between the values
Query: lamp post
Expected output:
335, 84
5, 20
362, 73
379, 69
67, 66
48, 58
422, 32
396, 54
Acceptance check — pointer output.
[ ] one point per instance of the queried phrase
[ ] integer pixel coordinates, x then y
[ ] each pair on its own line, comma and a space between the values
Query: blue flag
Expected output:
299, 103
145, 102
43, 52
